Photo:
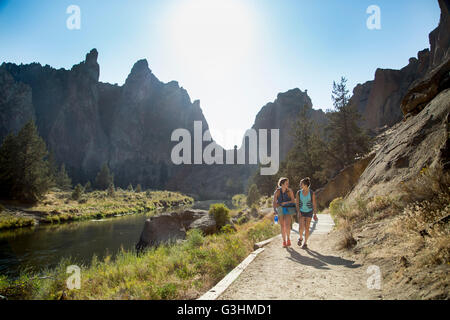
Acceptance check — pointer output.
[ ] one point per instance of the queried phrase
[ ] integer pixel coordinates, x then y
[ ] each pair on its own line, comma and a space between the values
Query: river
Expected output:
41, 247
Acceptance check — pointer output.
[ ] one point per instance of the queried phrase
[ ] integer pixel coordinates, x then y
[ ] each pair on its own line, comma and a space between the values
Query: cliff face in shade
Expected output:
282, 114
86, 122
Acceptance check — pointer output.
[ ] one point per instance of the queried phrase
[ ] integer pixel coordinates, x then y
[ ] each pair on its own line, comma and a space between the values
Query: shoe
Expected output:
299, 242
289, 243
305, 246
284, 244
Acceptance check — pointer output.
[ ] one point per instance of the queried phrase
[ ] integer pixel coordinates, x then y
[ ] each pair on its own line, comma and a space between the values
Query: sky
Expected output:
234, 56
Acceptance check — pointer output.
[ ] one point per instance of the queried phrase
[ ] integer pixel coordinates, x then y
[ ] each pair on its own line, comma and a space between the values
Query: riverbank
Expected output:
184, 270
58, 207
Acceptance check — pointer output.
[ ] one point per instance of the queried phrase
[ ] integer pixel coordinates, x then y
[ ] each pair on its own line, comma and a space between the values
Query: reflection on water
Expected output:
43, 247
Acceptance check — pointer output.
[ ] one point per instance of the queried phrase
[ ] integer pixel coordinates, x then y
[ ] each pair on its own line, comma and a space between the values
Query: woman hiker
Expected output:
305, 201
284, 206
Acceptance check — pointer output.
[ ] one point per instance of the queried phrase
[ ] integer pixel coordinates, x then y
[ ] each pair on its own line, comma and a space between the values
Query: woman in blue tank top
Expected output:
305, 201
284, 206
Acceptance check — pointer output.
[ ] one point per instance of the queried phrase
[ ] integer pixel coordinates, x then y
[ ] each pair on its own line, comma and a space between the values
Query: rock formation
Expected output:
173, 226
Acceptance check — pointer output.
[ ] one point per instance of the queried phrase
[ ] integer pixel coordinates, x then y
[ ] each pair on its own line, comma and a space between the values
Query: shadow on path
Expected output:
333, 260
320, 261
307, 261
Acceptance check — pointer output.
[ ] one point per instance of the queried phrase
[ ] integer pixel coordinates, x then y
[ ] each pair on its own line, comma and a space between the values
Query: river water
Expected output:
44, 246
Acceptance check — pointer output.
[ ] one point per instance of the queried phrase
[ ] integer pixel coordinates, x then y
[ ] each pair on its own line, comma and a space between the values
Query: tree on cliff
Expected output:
345, 139
305, 158
104, 178
24, 170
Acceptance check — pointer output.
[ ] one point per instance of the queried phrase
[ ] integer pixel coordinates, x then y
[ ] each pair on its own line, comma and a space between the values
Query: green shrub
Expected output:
221, 214
228, 228
239, 200
138, 188
242, 220
337, 207
195, 238
2, 208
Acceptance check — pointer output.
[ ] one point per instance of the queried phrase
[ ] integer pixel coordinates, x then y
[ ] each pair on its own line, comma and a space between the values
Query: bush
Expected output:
138, 188
242, 220
228, 228
239, 200
195, 238
221, 214
337, 207
2, 208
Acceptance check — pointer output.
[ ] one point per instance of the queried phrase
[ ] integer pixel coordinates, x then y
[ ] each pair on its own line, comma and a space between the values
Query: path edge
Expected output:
223, 284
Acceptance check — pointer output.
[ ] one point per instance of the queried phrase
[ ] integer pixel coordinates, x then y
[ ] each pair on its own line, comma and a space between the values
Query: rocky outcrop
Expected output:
170, 227
378, 100
412, 87
282, 113
418, 142
342, 183
437, 77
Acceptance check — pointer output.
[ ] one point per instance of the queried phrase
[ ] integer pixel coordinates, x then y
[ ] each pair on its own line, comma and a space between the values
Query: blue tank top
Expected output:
284, 197
305, 202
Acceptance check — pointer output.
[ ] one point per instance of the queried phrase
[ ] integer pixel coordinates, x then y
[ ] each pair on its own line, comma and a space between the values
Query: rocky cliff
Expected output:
378, 100
86, 122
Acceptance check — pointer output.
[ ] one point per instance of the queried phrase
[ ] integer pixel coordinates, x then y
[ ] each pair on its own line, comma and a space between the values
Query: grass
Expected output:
58, 206
407, 232
177, 271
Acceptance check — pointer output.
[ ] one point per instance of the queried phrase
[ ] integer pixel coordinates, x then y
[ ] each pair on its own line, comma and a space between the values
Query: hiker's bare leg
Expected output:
281, 221
287, 227
301, 226
307, 223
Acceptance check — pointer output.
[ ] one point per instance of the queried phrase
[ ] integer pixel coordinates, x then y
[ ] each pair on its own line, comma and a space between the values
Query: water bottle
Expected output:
276, 219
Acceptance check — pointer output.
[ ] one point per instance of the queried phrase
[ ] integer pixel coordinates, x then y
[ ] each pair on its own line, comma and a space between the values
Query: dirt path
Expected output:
294, 273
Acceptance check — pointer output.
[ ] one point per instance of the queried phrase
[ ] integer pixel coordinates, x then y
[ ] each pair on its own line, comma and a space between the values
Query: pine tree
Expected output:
253, 195
346, 141
88, 187
77, 192
104, 178
305, 157
111, 190
130, 187
63, 180
24, 170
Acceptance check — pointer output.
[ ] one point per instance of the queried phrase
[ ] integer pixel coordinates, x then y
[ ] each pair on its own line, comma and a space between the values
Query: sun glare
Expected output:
213, 34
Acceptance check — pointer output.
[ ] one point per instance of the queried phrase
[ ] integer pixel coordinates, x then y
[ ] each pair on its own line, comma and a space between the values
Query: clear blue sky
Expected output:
233, 55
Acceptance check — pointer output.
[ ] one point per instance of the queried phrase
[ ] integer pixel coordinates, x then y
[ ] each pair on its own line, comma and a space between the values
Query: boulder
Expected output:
170, 227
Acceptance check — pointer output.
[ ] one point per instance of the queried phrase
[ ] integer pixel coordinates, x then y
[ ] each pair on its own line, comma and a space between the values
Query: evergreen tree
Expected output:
63, 180
138, 188
53, 167
305, 157
346, 141
88, 187
253, 195
104, 178
130, 187
24, 170
77, 192
266, 184
111, 190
